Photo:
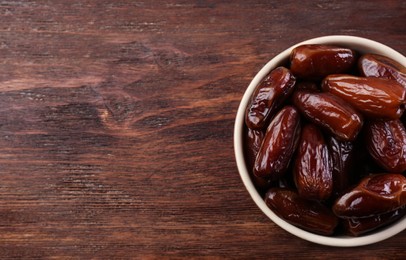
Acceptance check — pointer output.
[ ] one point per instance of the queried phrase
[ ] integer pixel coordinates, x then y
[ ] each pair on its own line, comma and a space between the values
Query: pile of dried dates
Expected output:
325, 140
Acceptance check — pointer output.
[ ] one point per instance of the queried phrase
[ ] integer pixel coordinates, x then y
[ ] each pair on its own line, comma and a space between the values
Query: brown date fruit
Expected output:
374, 65
312, 171
279, 144
306, 214
273, 90
253, 142
343, 157
315, 61
374, 195
360, 226
329, 112
386, 143
374, 97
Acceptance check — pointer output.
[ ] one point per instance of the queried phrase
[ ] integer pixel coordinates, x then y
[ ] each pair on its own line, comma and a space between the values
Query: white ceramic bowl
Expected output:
361, 45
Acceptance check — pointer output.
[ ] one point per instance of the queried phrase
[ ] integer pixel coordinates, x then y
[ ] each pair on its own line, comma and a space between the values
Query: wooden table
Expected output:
116, 124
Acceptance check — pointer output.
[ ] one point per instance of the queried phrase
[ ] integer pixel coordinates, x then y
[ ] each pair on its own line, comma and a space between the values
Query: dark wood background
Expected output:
116, 124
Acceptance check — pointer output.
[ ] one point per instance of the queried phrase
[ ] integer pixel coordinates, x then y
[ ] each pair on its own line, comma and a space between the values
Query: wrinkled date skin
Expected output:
330, 112
314, 62
268, 96
360, 226
343, 157
386, 143
313, 166
279, 144
309, 215
374, 97
374, 195
374, 65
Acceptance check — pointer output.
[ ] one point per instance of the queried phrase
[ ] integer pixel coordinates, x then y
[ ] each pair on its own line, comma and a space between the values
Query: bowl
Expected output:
361, 45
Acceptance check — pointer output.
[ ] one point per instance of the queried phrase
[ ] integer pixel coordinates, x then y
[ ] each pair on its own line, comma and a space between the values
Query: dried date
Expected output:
279, 144
360, 226
386, 143
313, 165
315, 61
330, 112
343, 157
253, 142
374, 195
268, 96
374, 97
309, 215
374, 65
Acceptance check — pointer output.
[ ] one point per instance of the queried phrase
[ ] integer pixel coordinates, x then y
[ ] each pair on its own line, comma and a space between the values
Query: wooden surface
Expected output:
116, 124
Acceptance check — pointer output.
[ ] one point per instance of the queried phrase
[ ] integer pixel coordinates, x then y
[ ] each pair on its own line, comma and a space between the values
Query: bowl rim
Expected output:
357, 43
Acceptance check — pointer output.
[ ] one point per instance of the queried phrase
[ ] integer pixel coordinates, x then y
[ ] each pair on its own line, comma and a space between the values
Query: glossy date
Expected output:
279, 144
374, 97
374, 195
268, 96
386, 143
253, 142
309, 215
329, 112
374, 65
312, 171
317, 61
343, 157
360, 226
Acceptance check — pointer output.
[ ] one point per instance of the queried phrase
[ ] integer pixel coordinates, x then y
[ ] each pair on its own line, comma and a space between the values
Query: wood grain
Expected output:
116, 124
